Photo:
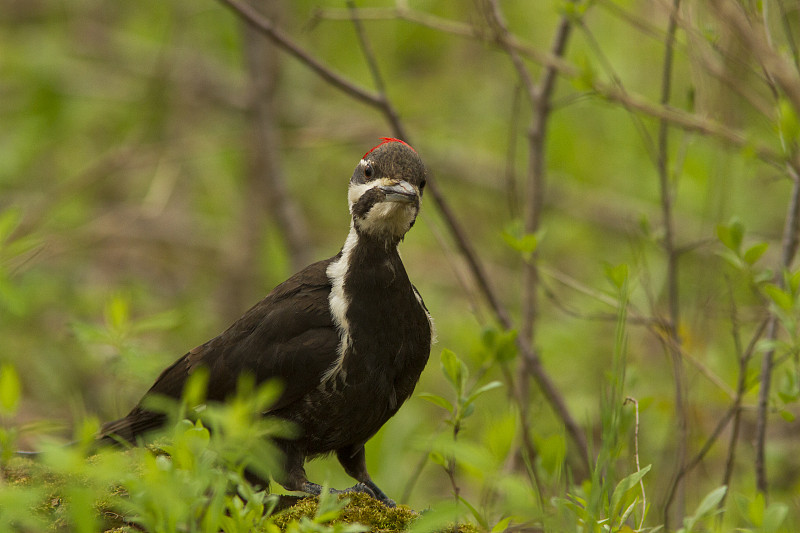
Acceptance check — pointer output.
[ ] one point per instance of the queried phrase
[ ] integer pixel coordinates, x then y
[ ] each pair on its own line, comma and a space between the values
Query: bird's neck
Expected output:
365, 276
368, 258
366, 249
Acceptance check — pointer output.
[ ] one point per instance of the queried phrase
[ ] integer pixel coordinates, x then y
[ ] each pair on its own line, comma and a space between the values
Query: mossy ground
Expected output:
361, 508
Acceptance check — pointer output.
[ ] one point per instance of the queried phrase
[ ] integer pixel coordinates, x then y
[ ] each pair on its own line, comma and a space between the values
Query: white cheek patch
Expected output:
356, 191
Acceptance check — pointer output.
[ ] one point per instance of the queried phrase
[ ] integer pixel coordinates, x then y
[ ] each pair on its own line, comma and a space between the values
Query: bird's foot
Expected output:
316, 490
359, 487
373, 491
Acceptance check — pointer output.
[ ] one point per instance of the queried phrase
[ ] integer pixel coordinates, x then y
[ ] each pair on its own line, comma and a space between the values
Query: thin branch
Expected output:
276, 35
540, 96
672, 289
631, 399
733, 412
782, 72
654, 325
789, 248
743, 358
784, 76
687, 121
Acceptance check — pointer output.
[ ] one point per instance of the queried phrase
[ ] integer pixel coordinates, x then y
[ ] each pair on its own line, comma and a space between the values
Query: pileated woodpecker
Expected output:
348, 336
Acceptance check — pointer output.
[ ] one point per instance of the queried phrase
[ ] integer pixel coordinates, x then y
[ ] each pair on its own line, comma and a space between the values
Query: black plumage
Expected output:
348, 336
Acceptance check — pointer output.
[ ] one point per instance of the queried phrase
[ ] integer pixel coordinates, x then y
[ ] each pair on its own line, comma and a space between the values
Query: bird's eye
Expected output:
422, 185
368, 171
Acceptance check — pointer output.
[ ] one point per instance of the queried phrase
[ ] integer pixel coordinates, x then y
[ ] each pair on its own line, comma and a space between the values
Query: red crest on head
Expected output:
385, 140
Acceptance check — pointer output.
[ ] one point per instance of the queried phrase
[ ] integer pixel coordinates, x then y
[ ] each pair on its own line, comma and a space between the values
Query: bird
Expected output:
348, 336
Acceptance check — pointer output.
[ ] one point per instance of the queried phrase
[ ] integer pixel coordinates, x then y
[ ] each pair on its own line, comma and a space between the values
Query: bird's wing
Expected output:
289, 336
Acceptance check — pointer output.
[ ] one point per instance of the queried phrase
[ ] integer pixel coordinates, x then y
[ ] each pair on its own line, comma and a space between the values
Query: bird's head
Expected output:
386, 189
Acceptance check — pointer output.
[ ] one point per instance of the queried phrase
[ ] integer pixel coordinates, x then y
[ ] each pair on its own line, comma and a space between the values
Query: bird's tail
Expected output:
127, 429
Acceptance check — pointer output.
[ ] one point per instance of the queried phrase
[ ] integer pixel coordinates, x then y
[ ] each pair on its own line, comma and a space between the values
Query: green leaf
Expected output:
500, 434
525, 243
454, 370
754, 253
435, 399
478, 516
756, 509
438, 458
502, 525
779, 297
587, 78
623, 487
788, 124
10, 389
774, 516
480, 390
710, 502
617, 275
117, 312
789, 387
553, 450
501, 346
732, 235
624, 518
794, 281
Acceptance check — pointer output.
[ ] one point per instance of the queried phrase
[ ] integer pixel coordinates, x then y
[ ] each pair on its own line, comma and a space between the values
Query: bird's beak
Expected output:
402, 192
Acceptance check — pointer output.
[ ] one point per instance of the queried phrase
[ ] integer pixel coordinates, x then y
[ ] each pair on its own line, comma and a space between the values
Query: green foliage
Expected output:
706, 509
10, 395
191, 479
520, 241
135, 223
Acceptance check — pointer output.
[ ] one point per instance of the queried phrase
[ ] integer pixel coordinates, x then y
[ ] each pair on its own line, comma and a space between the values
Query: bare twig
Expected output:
743, 357
540, 96
784, 76
687, 121
631, 399
789, 247
782, 72
672, 289
277, 36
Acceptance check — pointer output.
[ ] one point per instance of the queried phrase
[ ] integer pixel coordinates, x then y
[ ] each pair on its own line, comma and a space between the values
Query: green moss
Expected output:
52, 488
361, 509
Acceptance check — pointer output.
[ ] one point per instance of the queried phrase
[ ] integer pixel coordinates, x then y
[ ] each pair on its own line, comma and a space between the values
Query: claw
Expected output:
360, 487
315, 489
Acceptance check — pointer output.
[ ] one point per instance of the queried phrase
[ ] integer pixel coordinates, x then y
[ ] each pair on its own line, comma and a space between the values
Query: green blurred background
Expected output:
141, 144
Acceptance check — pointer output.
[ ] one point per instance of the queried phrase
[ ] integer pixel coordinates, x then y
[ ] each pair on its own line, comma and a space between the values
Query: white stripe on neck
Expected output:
338, 302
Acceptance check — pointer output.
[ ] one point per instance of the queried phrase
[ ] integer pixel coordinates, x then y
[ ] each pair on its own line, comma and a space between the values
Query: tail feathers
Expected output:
137, 423
128, 429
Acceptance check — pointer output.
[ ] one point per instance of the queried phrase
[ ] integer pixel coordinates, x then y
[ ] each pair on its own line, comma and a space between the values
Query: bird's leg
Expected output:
294, 476
353, 459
